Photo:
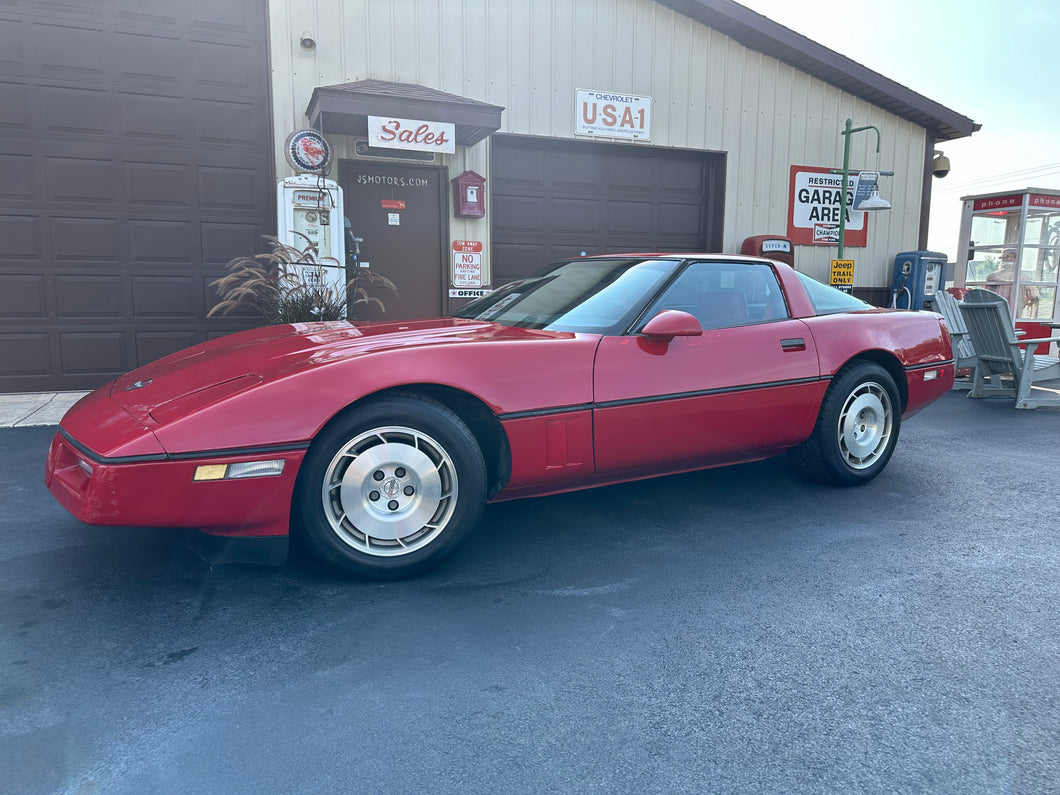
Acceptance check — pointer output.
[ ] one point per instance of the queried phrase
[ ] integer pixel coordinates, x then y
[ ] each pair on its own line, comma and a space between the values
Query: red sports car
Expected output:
380, 443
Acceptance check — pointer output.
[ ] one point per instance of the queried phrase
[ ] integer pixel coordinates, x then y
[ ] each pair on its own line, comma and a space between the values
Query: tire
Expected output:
857, 428
391, 489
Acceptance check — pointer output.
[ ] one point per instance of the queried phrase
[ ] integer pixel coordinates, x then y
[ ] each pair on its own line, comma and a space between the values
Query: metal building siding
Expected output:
709, 92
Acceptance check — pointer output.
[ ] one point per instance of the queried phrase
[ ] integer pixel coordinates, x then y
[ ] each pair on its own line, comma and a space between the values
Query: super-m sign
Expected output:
814, 205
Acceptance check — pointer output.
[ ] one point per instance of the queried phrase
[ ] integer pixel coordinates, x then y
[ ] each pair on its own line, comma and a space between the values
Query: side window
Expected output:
725, 294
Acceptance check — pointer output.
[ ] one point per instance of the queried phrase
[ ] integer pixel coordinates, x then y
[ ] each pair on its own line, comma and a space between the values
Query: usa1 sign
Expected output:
814, 205
608, 114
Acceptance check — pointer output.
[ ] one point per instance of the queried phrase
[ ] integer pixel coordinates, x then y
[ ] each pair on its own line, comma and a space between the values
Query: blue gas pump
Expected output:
918, 275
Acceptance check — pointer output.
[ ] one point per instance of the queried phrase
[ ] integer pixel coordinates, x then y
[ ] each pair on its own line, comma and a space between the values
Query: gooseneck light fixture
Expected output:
874, 202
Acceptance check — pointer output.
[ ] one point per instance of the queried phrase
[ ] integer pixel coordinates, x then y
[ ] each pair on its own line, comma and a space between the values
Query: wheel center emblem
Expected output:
391, 487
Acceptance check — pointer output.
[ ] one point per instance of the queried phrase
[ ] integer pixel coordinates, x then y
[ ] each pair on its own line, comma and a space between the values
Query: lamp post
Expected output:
876, 202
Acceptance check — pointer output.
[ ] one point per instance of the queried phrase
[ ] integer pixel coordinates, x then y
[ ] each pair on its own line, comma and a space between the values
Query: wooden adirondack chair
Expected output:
947, 306
1001, 353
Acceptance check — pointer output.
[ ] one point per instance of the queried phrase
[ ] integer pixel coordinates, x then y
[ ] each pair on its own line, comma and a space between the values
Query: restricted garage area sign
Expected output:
814, 204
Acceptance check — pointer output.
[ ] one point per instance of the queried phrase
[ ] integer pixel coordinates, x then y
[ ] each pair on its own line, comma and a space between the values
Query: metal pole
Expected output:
847, 132
843, 188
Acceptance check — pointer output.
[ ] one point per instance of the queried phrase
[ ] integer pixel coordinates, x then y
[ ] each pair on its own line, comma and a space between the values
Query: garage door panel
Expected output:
24, 354
226, 122
575, 215
574, 170
635, 218
18, 181
12, 50
80, 179
151, 345
161, 118
526, 170
162, 241
222, 243
20, 237
14, 103
166, 296
678, 177
145, 56
518, 212
22, 295
70, 51
157, 184
69, 109
89, 296
515, 261
94, 353
224, 65
84, 238
635, 173
680, 219
232, 188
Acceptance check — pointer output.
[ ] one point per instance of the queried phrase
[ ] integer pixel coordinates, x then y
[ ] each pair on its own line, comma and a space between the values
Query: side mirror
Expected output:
671, 323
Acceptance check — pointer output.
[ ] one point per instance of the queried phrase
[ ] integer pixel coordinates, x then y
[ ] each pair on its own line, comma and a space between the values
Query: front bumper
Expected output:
160, 491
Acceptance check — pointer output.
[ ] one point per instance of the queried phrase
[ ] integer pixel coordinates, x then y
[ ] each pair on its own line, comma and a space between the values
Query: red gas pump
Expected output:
771, 247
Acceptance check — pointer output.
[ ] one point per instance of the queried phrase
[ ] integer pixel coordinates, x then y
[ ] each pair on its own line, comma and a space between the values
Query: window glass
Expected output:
996, 228
827, 300
724, 294
598, 296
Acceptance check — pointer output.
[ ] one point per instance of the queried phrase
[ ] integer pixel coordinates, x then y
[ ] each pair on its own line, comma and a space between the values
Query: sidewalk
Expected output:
35, 408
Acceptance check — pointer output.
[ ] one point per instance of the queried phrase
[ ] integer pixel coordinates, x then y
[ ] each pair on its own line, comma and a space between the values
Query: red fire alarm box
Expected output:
469, 195
770, 247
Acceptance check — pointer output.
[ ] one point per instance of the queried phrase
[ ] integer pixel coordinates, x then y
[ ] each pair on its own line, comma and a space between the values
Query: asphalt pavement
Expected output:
736, 630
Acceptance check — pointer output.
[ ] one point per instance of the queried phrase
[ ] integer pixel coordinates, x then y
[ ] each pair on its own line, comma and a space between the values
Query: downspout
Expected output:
925, 191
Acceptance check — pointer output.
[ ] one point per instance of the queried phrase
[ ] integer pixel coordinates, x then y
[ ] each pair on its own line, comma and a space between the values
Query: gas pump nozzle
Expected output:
353, 243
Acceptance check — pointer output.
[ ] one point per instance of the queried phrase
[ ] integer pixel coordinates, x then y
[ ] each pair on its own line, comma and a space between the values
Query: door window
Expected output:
725, 294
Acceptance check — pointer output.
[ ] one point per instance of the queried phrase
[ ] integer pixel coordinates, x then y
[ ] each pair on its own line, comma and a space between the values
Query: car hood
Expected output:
181, 382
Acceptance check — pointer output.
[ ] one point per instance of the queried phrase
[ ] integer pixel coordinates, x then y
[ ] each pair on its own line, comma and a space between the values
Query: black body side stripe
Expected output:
139, 459
913, 367
518, 415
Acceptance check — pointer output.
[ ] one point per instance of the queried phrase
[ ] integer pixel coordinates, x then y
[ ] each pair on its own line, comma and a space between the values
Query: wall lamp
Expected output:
874, 202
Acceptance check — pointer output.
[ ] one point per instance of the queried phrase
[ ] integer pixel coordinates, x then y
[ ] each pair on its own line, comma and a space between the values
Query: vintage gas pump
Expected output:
309, 215
917, 276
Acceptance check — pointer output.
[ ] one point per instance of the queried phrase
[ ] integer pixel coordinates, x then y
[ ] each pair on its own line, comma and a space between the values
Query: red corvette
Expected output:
380, 443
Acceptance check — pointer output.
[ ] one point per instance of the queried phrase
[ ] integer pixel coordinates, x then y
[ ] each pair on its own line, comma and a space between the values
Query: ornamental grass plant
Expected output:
285, 285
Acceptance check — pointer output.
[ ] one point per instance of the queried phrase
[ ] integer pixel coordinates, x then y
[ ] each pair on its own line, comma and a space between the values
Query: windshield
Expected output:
595, 296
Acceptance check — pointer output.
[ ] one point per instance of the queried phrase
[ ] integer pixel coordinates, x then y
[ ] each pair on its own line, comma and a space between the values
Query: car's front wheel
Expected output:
391, 489
857, 427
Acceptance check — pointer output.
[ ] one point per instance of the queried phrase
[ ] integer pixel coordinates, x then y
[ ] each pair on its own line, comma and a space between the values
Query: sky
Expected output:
996, 62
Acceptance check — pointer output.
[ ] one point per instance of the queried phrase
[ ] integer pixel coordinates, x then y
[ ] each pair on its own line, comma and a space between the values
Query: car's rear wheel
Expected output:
391, 489
857, 427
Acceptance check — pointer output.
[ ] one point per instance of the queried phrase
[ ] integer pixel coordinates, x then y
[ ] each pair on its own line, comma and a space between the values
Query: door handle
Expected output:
793, 344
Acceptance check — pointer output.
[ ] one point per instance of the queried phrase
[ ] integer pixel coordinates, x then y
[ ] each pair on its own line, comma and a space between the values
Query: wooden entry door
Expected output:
399, 210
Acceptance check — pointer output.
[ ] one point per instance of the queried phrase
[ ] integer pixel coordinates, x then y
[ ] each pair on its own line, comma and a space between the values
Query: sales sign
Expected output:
814, 206
420, 136
609, 114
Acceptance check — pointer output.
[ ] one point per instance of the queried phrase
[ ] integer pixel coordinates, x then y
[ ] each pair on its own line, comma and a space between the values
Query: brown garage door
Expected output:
556, 199
134, 162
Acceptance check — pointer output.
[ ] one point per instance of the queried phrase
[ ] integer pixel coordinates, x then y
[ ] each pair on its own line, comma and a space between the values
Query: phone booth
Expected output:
309, 215
1010, 245
917, 276
771, 247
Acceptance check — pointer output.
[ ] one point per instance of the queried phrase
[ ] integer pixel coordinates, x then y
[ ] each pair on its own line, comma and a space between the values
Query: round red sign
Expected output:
309, 151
